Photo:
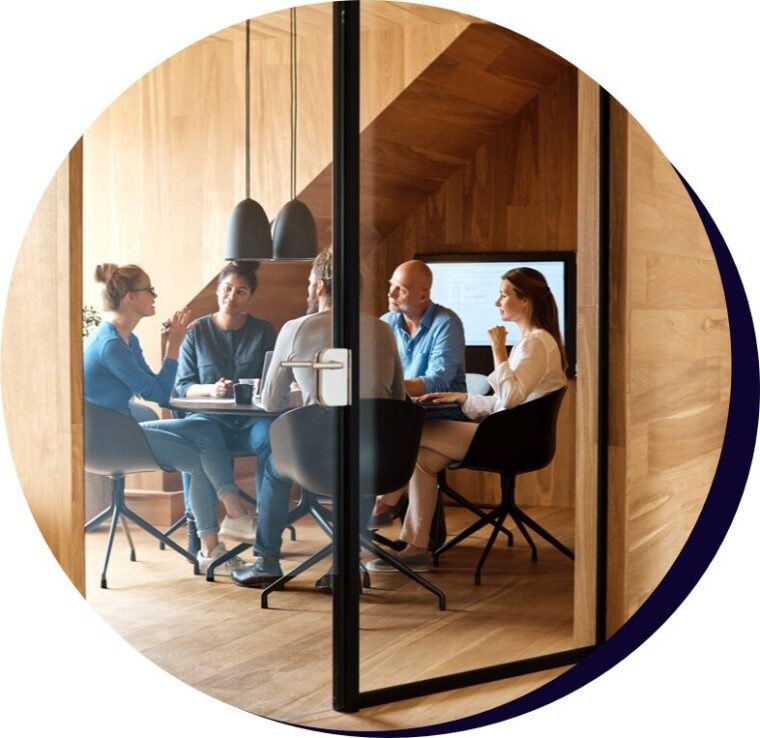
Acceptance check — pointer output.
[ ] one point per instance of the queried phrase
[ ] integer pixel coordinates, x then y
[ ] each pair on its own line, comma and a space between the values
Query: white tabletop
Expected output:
217, 405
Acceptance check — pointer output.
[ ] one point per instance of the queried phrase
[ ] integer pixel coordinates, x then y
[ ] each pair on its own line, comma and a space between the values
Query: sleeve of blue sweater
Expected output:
187, 373
128, 364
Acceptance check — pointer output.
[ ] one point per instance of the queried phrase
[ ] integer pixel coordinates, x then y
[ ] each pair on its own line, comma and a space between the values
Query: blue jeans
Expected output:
272, 502
209, 442
252, 440
272, 490
175, 452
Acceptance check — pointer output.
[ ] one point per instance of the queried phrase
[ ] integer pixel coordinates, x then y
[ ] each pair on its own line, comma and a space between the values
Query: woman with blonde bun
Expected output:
115, 371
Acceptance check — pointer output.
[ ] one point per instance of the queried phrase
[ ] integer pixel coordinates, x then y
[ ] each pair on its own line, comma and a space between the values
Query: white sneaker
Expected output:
226, 569
239, 529
420, 563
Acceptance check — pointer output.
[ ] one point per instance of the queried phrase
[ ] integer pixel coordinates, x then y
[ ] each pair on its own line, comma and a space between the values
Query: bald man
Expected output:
430, 341
430, 337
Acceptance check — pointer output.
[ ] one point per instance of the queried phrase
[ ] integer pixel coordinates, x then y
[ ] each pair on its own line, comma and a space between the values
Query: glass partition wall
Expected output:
486, 147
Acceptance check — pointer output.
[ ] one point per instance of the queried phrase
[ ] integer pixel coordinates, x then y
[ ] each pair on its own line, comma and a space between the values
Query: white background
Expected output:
687, 70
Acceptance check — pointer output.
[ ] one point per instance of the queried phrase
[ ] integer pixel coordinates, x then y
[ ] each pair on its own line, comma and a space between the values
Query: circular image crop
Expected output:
535, 275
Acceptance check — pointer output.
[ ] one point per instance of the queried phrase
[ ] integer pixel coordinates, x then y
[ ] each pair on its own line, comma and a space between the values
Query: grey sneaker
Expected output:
238, 529
419, 563
226, 569
262, 572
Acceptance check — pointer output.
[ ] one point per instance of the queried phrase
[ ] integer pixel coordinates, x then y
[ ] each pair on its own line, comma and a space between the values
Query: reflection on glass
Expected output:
471, 156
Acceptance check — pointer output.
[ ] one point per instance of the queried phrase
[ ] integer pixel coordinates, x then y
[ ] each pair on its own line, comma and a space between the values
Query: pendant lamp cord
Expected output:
248, 109
293, 102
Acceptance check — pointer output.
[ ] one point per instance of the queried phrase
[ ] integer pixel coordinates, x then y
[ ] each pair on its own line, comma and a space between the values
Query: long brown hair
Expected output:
117, 281
529, 284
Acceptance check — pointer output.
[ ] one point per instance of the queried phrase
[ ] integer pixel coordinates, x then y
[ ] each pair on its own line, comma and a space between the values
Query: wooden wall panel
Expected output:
164, 165
44, 350
669, 395
586, 437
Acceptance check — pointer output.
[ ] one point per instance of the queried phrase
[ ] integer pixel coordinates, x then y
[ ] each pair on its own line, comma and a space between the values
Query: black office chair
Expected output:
511, 442
140, 413
304, 448
115, 445
477, 384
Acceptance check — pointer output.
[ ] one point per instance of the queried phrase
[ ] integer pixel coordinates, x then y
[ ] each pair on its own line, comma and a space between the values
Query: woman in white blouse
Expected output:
535, 367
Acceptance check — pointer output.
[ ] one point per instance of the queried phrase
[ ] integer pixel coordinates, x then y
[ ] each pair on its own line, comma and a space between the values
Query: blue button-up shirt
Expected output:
436, 353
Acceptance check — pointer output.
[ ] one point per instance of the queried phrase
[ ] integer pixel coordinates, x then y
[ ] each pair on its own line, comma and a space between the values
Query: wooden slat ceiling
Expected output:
437, 124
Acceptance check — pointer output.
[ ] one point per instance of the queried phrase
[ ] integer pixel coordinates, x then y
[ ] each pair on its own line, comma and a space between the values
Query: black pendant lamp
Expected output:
248, 236
294, 233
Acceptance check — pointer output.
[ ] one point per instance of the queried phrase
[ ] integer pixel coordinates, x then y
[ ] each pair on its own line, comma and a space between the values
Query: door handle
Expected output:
333, 387
313, 364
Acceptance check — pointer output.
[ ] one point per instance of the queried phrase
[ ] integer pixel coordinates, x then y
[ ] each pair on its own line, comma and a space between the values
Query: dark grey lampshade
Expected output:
294, 233
248, 236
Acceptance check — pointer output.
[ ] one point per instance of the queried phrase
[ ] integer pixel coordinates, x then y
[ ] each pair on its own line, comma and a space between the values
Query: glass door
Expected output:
459, 158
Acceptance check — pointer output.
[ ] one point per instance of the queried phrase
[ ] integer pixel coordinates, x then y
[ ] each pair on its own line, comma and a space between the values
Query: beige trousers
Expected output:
443, 441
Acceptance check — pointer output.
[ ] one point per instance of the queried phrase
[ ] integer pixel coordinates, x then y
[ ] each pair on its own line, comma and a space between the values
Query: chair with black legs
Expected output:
477, 384
304, 448
140, 413
115, 445
511, 442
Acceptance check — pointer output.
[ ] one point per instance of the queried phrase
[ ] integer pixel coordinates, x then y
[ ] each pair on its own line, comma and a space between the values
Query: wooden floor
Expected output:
277, 663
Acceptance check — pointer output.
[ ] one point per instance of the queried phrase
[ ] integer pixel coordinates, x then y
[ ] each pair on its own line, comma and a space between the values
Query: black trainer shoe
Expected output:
259, 574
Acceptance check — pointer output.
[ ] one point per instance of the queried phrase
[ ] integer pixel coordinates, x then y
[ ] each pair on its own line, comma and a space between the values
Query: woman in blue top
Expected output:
115, 371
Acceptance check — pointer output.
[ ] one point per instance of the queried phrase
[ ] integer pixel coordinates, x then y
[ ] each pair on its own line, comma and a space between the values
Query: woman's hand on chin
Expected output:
444, 397
498, 335
498, 338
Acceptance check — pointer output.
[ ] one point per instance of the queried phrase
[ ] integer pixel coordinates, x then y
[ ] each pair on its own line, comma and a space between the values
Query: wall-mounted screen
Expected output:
469, 285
